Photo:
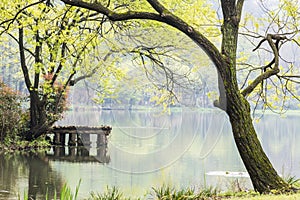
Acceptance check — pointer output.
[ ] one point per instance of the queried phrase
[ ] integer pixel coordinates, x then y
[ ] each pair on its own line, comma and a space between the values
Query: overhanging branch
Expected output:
164, 16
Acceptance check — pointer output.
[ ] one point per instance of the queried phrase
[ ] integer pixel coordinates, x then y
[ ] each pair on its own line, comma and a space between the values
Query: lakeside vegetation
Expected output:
150, 53
169, 193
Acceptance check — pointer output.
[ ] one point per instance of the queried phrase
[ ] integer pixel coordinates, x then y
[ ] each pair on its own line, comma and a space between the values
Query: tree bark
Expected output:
39, 124
262, 174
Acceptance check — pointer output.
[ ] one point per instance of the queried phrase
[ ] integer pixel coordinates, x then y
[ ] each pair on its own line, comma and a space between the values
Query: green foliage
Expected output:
167, 192
66, 193
11, 114
53, 45
19, 144
111, 194
293, 181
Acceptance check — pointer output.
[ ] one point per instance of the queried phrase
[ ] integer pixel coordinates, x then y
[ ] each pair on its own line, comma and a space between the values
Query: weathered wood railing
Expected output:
79, 135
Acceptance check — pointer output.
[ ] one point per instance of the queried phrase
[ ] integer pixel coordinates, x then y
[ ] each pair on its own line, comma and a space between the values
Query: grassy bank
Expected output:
169, 193
208, 194
269, 197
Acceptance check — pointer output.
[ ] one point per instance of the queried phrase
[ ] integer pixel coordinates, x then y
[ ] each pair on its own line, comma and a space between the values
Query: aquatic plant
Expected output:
167, 192
293, 181
66, 193
110, 194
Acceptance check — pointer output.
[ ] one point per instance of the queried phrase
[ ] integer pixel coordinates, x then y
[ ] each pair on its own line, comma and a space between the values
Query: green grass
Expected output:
167, 192
110, 194
170, 193
65, 194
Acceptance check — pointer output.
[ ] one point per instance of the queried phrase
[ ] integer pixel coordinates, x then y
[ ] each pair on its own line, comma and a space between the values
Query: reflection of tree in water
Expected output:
42, 179
21, 169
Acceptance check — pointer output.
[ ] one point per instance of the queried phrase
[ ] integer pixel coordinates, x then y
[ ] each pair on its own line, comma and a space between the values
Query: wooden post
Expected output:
72, 151
102, 154
72, 139
79, 141
56, 138
62, 139
83, 152
59, 151
101, 139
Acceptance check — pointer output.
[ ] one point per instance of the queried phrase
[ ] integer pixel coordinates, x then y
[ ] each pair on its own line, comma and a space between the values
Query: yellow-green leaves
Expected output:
200, 14
60, 45
291, 7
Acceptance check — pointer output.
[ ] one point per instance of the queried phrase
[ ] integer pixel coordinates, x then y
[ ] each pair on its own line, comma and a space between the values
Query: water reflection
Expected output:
31, 174
27, 173
78, 154
147, 149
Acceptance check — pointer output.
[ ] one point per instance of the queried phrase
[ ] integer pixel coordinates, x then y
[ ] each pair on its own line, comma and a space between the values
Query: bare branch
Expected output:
260, 43
290, 78
89, 75
17, 41
272, 71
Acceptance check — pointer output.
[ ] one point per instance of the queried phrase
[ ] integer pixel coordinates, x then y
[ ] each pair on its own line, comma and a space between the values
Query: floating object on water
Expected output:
4, 192
228, 174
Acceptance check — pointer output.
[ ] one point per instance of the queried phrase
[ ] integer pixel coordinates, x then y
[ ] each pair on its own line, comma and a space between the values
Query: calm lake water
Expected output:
148, 149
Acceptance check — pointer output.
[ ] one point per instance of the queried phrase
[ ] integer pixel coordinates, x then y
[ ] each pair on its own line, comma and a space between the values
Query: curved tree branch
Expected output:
163, 15
272, 71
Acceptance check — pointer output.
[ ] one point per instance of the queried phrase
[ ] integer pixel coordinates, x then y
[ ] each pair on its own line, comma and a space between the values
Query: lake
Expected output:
184, 148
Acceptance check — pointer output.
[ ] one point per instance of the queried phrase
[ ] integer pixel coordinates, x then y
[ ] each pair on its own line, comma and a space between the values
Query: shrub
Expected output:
10, 113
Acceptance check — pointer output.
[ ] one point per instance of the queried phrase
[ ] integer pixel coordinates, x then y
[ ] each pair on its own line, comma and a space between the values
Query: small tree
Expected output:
57, 46
52, 46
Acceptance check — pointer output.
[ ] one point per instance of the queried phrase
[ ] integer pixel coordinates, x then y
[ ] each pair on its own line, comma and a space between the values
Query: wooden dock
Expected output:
79, 135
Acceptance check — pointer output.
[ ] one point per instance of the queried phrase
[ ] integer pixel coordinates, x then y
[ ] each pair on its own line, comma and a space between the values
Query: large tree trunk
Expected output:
39, 124
263, 176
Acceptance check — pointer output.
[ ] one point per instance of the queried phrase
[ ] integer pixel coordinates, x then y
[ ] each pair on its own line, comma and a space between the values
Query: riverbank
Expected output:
22, 145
